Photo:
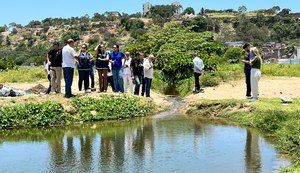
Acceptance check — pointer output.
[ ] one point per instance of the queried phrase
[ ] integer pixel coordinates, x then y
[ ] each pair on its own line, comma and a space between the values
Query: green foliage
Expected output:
111, 107
161, 14
32, 115
2, 29
22, 75
233, 54
70, 35
188, 10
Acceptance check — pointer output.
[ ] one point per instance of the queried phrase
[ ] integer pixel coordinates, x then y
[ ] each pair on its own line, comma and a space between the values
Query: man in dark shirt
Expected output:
54, 58
247, 69
137, 72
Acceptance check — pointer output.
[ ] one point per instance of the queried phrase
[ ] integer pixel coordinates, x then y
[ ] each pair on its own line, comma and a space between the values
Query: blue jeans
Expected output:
118, 79
91, 73
148, 82
83, 77
139, 80
68, 75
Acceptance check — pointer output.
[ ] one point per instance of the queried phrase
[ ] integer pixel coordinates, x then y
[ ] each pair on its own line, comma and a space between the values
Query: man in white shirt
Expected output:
198, 69
68, 55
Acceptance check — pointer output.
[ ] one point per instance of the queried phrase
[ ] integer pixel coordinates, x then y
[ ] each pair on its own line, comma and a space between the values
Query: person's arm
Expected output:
147, 65
48, 58
198, 65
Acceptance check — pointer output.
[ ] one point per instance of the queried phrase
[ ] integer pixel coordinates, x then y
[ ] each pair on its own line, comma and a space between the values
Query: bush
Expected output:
32, 115
115, 107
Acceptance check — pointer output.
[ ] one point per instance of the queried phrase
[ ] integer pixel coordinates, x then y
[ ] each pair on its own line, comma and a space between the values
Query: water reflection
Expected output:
144, 145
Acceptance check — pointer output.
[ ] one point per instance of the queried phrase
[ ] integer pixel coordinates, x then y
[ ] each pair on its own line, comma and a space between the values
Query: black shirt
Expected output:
135, 65
55, 57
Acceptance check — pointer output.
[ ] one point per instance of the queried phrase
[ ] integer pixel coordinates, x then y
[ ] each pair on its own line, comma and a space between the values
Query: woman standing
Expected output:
148, 74
255, 72
85, 60
127, 73
102, 67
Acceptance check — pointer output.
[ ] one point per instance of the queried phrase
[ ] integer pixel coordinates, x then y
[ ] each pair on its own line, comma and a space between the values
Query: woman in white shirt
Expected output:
127, 73
148, 73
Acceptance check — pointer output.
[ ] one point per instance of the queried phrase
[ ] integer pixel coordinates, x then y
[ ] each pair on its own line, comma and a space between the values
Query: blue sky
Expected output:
23, 11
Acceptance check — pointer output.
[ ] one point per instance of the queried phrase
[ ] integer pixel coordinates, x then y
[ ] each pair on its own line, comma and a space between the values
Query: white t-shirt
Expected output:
47, 68
198, 64
68, 54
126, 70
148, 72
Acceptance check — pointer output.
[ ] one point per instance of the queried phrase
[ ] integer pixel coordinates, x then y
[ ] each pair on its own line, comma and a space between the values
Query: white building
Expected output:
179, 8
146, 8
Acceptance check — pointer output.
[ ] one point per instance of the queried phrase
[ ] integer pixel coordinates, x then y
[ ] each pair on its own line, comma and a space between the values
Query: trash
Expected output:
286, 100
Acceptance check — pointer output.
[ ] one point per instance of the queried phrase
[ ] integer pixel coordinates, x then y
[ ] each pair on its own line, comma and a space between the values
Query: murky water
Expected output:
169, 144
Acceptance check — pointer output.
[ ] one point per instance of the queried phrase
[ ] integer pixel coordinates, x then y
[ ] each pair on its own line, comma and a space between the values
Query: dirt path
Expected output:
269, 87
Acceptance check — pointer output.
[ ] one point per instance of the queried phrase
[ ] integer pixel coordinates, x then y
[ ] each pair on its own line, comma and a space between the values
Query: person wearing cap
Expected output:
148, 73
54, 60
198, 69
102, 66
115, 58
68, 64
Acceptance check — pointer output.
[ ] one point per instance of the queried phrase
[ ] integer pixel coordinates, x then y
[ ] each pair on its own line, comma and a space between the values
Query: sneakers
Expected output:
249, 97
254, 99
93, 89
198, 91
87, 91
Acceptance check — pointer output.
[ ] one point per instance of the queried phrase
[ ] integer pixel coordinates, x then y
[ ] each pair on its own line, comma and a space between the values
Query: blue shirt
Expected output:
247, 67
117, 58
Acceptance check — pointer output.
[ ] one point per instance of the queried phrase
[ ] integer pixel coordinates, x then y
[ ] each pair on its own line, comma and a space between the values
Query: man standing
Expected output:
116, 57
247, 69
198, 69
137, 71
54, 58
68, 55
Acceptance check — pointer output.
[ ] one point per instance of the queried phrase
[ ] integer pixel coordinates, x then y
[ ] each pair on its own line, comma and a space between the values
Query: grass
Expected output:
22, 75
269, 115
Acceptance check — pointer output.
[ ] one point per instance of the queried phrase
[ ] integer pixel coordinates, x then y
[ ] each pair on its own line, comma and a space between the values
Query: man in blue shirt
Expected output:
247, 69
115, 58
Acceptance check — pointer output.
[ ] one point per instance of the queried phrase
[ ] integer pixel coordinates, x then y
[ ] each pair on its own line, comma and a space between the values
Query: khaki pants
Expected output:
56, 79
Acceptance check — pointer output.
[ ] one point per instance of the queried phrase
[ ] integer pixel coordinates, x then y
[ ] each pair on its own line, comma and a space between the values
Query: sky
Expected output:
24, 11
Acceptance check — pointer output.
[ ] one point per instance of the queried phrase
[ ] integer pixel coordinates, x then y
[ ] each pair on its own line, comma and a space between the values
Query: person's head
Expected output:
255, 51
246, 47
71, 42
55, 45
83, 47
127, 55
194, 54
141, 55
115, 48
151, 57
1, 86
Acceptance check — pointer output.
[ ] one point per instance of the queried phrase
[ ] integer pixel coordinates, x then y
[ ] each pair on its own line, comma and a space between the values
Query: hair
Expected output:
246, 45
84, 44
70, 41
255, 51
117, 45
56, 43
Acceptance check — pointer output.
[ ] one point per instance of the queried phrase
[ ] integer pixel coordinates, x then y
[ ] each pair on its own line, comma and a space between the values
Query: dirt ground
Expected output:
269, 87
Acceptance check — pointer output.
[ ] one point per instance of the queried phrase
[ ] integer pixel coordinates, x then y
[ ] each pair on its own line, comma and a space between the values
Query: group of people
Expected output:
252, 70
114, 68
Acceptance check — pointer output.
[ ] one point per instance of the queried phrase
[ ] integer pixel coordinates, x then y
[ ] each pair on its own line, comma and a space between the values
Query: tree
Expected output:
233, 54
161, 14
242, 9
71, 34
188, 10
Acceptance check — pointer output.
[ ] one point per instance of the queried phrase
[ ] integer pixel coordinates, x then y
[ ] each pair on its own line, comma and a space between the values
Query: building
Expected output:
178, 9
146, 8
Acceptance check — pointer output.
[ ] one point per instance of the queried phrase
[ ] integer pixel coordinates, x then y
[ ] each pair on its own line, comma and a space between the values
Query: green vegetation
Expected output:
51, 113
22, 75
270, 115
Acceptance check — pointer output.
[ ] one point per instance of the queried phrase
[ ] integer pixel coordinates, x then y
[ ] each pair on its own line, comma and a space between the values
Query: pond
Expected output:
166, 144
